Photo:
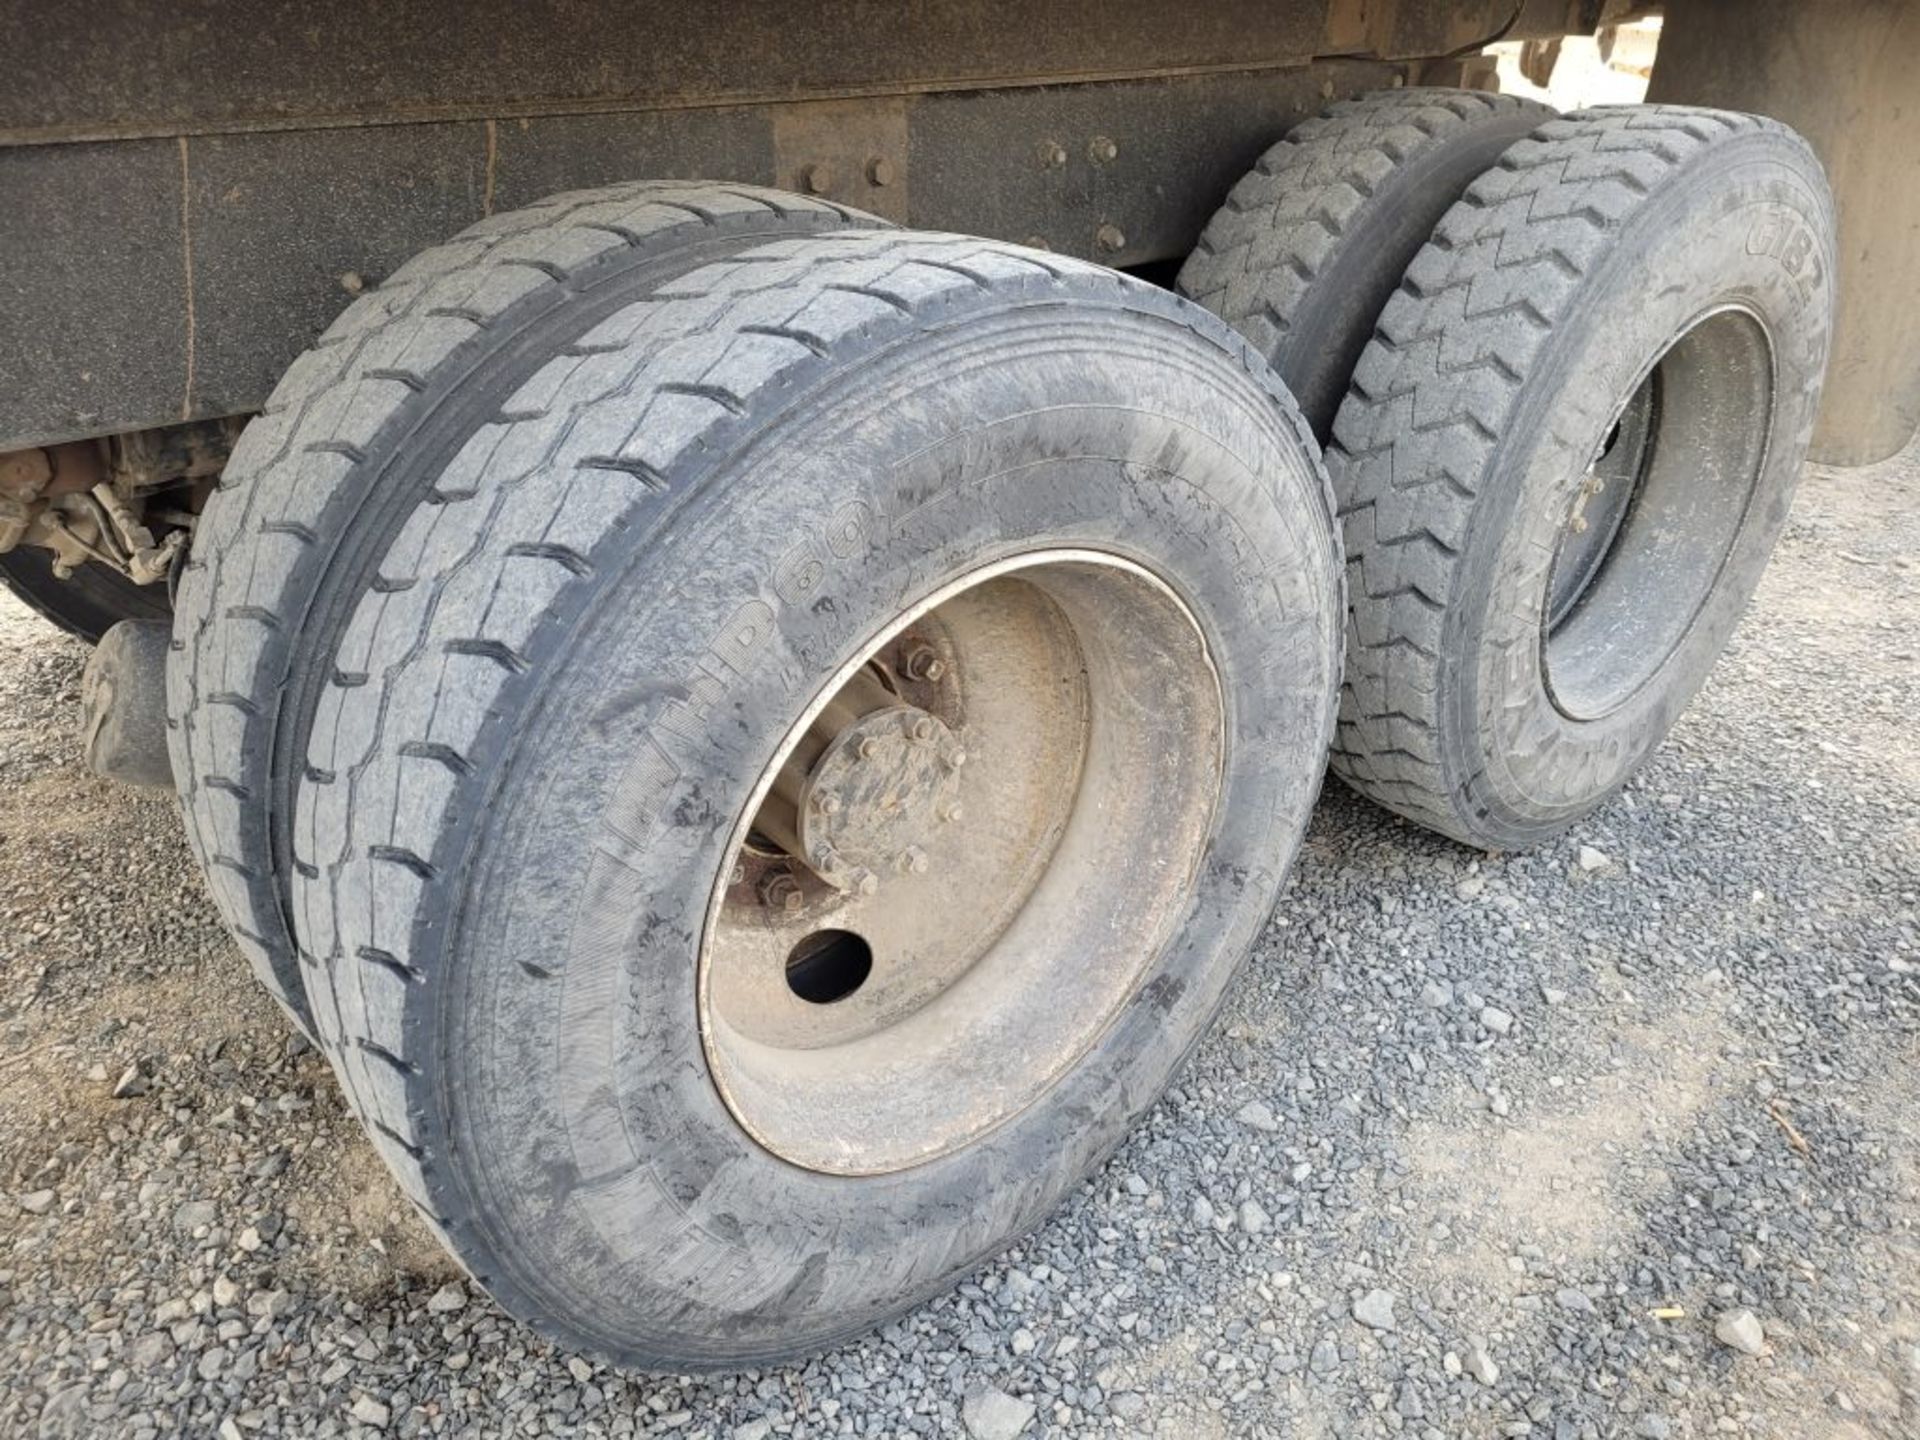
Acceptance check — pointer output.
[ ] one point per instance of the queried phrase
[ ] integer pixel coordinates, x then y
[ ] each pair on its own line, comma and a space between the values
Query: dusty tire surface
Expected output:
1676, 260
87, 603
640, 570
350, 440
1313, 241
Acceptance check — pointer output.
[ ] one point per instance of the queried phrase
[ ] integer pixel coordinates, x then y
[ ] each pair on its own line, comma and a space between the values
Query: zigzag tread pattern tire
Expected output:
1591, 251
347, 443
1314, 239
567, 516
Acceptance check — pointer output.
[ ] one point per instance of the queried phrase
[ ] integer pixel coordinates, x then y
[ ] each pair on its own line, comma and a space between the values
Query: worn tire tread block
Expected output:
1311, 241
287, 503
1429, 404
472, 579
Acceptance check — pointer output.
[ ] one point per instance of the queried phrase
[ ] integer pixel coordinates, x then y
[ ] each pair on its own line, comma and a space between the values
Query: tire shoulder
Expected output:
264, 542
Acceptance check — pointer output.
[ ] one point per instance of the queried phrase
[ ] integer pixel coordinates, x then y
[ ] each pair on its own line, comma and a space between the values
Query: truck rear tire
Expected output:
350, 441
88, 602
818, 767
1565, 457
1313, 241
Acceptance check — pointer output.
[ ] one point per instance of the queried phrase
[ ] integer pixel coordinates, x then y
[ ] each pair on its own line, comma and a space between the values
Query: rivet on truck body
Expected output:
1102, 150
1110, 238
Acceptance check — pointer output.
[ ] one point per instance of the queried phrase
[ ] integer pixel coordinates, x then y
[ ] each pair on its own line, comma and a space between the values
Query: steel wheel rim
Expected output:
1046, 788
1627, 583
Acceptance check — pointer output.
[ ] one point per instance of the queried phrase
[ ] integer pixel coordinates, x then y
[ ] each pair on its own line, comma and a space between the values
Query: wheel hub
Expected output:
879, 786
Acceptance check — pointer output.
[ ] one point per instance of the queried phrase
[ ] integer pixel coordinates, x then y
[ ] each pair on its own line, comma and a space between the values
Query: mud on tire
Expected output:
523, 784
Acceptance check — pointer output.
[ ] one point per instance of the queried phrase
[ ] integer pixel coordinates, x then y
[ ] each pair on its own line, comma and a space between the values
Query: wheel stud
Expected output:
865, 882
869, 748
913, 860
952, 812
923, 729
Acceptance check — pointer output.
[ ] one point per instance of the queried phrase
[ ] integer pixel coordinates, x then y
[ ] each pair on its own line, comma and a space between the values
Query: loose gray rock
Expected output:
1257, 1115
1592, 859
1252, 1218
1481, 1365
992, 1414
37, 1202
1741, 1330
369, 1411
151, 1350
1493, 1018
448, 1298
1375, 1310
192, 1215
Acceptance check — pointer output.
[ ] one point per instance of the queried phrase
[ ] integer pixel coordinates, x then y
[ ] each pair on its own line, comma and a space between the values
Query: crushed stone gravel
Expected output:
1583, 1127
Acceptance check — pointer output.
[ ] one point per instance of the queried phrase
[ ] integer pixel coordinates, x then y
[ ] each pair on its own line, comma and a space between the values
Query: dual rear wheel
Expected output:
802, 774
758, 741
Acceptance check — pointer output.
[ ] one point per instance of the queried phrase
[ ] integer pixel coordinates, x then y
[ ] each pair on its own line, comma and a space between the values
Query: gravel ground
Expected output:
1483, 1146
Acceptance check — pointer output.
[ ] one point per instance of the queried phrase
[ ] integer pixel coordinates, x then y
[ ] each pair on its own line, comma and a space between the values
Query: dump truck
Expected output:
747, 605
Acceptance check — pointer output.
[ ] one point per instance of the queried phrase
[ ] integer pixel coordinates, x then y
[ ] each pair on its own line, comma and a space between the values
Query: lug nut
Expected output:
923, 729
826, 804
866, 882
956, 759
914, 860
952, 812
923, 664
817, 178
782, 891
825, 859
869, 748
879, 172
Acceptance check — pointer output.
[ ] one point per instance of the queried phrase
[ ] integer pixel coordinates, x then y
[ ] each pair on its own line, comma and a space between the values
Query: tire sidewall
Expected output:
577, 1110
1522, 767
